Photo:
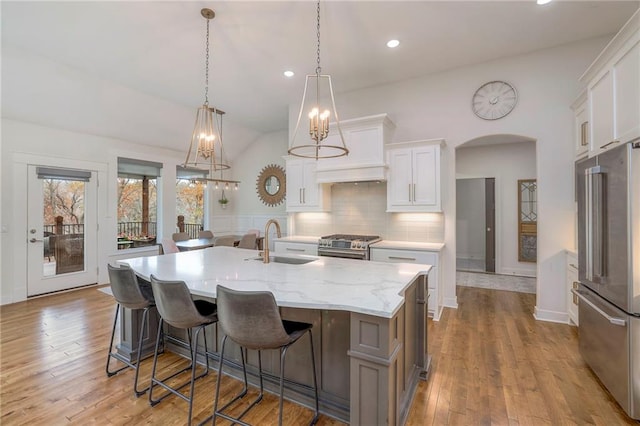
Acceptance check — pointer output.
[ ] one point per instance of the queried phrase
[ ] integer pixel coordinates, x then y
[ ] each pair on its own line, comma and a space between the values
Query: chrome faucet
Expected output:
265, 258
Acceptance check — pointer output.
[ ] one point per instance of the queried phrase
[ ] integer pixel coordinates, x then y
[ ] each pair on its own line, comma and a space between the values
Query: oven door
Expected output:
342, 253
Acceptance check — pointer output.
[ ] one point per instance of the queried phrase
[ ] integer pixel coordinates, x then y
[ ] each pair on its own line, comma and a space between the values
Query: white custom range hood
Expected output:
365, 138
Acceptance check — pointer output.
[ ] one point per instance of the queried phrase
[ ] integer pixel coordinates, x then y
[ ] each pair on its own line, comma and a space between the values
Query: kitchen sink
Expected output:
288, 260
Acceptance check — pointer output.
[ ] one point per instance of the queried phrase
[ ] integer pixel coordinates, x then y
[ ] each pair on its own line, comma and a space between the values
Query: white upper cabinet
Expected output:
613, 86
414, 176
626, 72
581, 125
304, 194
365, 138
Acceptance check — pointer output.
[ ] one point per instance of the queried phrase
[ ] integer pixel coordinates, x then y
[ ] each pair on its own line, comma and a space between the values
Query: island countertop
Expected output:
371, 288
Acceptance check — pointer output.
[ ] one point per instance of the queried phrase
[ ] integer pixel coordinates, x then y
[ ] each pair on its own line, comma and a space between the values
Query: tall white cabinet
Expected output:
414, 176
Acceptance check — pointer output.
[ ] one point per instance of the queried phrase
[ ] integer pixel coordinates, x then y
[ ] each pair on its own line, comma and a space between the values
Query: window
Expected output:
137, 202
190, 200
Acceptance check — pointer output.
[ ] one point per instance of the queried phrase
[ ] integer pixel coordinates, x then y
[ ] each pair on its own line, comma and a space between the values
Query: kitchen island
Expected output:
369, 324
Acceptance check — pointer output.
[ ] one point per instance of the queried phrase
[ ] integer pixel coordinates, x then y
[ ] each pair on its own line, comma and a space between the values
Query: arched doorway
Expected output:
488, 240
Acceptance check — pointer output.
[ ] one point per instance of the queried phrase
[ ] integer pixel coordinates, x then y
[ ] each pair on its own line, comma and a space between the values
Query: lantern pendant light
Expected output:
322, 144
206, 149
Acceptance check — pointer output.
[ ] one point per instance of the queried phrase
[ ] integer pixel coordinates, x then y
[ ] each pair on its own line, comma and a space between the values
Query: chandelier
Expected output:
321, 145
206, 149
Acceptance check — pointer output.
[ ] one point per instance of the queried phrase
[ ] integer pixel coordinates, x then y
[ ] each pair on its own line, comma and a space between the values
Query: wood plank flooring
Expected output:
493, 364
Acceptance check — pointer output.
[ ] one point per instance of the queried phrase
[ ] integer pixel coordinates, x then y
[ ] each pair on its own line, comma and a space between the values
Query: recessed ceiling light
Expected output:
543, 1
288, 73
393, 43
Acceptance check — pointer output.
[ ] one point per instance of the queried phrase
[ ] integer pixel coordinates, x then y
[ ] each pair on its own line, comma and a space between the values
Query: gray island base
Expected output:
368, 363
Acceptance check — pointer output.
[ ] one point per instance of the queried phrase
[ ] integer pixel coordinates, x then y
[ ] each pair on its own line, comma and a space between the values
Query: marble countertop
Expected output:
408, 245
299, 239
372, 288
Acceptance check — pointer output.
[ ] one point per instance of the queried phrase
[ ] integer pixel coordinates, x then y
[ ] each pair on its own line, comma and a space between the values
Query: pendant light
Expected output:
322, 144
205, 149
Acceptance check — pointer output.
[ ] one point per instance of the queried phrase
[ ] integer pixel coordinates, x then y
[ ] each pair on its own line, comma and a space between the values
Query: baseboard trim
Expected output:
450, 302
551, 316
517, 272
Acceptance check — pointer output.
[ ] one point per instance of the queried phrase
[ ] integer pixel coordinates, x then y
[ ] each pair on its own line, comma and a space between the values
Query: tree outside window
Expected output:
137, 211
137, 202
190, 201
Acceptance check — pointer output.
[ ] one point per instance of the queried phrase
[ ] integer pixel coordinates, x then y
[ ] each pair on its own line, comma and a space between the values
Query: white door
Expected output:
61, 230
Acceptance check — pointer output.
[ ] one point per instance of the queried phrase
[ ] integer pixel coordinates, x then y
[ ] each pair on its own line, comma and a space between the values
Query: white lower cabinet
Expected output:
417, 256
572, 283
295, 248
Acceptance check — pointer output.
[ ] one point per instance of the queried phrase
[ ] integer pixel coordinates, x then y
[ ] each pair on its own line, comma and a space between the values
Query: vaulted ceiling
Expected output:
156, 50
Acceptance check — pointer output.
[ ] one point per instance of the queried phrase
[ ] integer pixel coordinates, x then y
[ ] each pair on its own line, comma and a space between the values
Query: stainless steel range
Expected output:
347, 246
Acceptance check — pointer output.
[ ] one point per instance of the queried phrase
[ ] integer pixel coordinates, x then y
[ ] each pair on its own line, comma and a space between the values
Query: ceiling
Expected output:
157, 49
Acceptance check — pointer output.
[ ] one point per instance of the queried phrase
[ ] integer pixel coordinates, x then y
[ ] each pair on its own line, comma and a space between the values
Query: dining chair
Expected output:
228, 240
254, 231
180, 236
205, 234
128, 294
169, 246
252, 320
248, 241
179, 310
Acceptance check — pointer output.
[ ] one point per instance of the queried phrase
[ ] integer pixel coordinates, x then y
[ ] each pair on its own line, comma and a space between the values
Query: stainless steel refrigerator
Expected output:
608, 195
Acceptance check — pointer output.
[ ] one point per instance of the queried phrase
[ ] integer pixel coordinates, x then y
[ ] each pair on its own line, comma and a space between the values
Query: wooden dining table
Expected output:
195, 244
202, 243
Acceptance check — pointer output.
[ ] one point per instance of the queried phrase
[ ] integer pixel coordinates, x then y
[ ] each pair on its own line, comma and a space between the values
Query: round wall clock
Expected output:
494, 100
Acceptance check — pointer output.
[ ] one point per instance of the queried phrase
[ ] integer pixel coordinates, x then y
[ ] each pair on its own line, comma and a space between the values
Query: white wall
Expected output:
268, 149
507, 163
51, 145
470, 218
438, 106
25, 143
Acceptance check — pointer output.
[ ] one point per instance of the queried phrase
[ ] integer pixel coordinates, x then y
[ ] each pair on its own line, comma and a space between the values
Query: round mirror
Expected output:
271, 185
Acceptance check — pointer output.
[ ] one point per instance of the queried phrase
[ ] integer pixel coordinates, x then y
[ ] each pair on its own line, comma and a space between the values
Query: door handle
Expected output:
33, 240
613, 320
411, 259
610, 143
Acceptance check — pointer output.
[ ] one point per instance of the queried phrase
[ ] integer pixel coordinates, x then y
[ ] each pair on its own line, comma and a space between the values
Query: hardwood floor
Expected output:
492, 364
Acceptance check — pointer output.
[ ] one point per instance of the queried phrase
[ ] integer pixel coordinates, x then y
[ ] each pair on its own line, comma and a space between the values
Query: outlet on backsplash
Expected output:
360, 208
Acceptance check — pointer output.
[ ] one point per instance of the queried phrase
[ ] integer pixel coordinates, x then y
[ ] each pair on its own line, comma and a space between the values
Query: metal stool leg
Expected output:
113, 332
218, 412
145, 316
134, 364
283, 353
217, 397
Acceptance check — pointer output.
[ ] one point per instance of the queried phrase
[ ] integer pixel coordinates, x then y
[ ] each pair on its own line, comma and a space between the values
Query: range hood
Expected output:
365, 138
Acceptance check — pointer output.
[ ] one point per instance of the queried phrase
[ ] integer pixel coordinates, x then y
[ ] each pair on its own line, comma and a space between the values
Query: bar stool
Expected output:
128, 294
177, 309
252, 320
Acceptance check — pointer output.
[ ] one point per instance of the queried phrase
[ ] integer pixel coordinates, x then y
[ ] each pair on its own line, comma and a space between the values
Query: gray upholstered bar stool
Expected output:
178, 309
252, 320
128, 294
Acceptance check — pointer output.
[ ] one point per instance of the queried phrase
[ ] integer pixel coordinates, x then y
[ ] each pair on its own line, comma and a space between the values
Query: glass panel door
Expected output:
61, 230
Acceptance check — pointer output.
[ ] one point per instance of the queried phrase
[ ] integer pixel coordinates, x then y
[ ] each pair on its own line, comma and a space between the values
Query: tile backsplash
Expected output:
361, 209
